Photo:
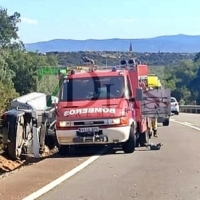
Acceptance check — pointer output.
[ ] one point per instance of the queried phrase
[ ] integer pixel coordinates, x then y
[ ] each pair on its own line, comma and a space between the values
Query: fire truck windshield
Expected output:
92, 88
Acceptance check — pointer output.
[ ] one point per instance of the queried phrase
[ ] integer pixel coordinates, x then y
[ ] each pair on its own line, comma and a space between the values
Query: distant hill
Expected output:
171, 43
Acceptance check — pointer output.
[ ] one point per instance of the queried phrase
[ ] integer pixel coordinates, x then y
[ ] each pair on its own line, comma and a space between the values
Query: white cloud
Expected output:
29, 21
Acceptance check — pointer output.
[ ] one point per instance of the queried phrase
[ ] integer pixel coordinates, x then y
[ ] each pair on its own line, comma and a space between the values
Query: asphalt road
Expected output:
168, 174
194, 119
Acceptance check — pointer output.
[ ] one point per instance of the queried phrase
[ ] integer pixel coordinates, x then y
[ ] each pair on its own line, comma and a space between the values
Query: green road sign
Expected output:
51, 71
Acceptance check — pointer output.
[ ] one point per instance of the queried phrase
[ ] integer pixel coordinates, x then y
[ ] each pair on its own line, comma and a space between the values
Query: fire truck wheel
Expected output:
137, 141
144, 139
129, 146
63, 150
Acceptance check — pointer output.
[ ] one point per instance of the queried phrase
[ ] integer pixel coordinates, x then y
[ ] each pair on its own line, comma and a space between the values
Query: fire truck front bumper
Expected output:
93, 135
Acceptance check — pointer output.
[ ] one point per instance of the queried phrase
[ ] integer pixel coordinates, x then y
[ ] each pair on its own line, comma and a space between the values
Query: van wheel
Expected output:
129, 146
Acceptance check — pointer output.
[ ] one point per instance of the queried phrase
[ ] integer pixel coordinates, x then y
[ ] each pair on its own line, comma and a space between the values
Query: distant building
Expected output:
130, 48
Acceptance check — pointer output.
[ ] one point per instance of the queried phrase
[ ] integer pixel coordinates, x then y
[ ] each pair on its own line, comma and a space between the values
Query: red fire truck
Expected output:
108, 107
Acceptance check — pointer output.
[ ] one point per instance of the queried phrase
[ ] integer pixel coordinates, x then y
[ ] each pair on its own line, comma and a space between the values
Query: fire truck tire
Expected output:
63, 150
129, 146
144, 138
166, 122
137, 141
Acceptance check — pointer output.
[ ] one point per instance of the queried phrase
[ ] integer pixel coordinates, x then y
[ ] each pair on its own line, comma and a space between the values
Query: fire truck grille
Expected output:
88, 123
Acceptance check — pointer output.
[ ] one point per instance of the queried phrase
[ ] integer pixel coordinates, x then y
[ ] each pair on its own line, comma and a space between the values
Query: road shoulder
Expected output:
29, 179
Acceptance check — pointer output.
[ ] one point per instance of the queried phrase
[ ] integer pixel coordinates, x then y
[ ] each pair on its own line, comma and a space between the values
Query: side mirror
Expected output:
139, 94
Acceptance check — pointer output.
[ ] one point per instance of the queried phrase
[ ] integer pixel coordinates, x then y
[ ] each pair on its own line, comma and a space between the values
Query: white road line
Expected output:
186, 124
64, 177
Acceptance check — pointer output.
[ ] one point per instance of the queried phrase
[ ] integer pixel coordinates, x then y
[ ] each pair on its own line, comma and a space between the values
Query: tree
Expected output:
8, 43
7, 93
6, 74
27, 64
9, 29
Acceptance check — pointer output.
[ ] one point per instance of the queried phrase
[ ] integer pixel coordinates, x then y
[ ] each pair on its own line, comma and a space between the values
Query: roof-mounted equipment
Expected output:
123, 64
93, 68
114, 69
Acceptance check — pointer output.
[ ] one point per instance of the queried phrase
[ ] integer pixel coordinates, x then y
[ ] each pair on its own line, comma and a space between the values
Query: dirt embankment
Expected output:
8, 165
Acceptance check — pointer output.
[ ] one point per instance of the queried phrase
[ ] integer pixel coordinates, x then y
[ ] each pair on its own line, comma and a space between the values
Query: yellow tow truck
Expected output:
153, 81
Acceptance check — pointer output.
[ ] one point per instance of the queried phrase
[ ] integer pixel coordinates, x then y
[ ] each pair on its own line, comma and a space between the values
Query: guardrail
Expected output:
190, 109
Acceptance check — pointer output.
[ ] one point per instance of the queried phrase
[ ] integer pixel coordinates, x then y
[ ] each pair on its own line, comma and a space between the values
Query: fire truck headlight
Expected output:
119, 121
114, 121
64, 123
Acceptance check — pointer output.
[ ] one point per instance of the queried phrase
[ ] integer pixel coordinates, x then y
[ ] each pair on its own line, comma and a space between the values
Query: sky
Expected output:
43, 20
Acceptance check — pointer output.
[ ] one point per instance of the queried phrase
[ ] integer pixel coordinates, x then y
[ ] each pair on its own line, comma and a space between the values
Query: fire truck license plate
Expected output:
89, 129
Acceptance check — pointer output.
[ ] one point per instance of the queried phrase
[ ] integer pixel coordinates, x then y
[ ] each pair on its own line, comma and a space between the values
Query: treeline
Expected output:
112, 58
18, 68
182, 79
